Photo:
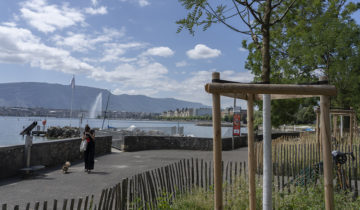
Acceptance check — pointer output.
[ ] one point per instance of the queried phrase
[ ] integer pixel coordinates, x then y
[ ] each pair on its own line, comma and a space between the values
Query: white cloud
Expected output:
132, 81
94, 2
181, 64
192, 88
48, 18
160, 51
96, 11
133, 75
142, 3
241, 49
144, 91
114, 51
83, 42
203, 52
10, 24
18, 45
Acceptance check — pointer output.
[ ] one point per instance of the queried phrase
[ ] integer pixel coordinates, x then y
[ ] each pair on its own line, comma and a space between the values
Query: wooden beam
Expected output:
258, 97
339, 112
217, 148
326, 147
278, 96
284, 89
251, 159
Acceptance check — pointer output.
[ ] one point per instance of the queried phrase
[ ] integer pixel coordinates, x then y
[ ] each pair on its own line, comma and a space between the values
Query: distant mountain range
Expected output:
56, 96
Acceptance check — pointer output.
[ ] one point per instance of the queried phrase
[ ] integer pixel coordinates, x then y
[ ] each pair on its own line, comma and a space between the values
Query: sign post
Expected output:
236, 122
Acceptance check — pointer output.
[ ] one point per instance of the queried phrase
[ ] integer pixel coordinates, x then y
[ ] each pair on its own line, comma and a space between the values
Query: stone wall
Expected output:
49, 153
138, 143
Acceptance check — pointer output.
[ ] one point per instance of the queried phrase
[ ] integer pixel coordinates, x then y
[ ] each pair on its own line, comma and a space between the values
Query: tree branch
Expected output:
282, 17
223, 22
255, 14
276, 5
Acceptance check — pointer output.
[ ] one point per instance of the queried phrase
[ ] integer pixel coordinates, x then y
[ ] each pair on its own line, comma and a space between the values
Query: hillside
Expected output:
56, 96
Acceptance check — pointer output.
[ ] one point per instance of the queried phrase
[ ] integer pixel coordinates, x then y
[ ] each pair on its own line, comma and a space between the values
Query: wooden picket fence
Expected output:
142, 191
145, 190
290, 161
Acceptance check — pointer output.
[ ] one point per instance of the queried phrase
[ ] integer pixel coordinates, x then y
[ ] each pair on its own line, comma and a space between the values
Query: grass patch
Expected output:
236, 197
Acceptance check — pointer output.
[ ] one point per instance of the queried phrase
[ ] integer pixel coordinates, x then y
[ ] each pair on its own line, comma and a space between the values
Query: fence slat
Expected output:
305, 161
197, 172
124, 185
112, 198
192, 173
188, 175
101, 198
278, 171
210, 171
37, 205
91, 204
118, 196
356, 191
288, 148
202, 173
72, 203
85, 202
28, 206
79, 204
151, 187
282, 165
64, 204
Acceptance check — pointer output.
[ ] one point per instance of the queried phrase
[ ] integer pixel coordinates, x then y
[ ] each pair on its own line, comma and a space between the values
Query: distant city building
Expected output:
187, 112
203, 112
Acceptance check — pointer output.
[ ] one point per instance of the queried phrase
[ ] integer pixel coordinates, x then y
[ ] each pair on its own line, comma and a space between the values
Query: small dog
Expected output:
65, 167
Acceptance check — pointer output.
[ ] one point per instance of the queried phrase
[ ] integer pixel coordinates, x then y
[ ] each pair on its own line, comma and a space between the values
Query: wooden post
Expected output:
318, 140
326, 146
334, 127
341, 126
317, 128
217, 147
351, 130
251, 159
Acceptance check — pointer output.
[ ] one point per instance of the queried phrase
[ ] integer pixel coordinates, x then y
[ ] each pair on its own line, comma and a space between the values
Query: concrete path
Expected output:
109, 170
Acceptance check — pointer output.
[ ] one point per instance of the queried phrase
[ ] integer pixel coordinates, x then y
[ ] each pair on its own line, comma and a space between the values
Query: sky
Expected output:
125, 46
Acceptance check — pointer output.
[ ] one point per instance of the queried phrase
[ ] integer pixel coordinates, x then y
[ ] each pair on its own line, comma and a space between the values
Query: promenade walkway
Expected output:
109, 170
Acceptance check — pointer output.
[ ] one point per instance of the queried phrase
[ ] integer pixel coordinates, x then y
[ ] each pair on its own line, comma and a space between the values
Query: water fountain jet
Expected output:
96, 108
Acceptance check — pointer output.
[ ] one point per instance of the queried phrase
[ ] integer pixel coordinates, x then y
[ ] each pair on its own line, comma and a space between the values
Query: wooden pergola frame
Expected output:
251, 92
335, 113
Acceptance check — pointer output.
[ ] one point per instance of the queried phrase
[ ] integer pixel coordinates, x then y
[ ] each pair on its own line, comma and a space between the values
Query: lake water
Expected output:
10, 127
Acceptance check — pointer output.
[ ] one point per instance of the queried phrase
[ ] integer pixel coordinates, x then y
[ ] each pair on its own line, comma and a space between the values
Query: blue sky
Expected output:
126, 46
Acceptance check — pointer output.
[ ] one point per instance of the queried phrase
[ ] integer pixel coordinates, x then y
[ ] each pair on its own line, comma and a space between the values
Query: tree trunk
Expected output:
267, 168
265, 50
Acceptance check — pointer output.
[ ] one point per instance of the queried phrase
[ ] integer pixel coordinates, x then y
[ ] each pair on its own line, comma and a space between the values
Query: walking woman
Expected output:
89, 153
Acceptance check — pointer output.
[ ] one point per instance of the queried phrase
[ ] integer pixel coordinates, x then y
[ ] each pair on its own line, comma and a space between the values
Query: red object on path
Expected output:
44, 122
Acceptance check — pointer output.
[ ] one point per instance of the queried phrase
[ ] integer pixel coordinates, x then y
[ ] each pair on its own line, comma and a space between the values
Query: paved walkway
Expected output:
109, 170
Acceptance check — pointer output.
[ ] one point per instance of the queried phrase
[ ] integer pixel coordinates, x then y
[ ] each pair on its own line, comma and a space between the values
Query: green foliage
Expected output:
257, 119
190, 118
198, 9
228, 118
314, 36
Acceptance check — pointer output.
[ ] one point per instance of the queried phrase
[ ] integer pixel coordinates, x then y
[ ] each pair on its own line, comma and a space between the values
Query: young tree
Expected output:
316, 36
259, 16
